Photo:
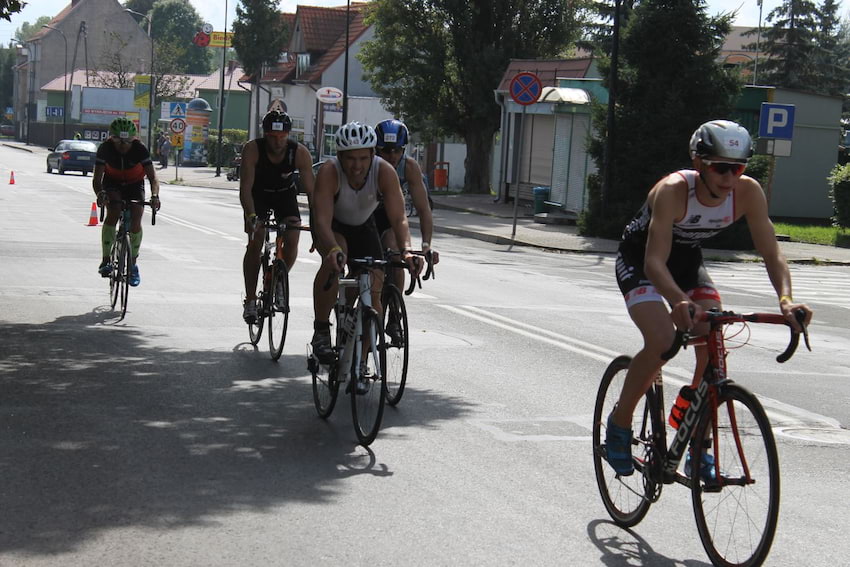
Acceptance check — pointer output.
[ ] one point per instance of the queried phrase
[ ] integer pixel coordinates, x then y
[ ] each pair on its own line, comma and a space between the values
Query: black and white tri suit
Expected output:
685, 262
354, 212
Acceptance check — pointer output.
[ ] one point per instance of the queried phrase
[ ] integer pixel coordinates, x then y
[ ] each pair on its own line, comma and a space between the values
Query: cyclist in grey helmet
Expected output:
660, 260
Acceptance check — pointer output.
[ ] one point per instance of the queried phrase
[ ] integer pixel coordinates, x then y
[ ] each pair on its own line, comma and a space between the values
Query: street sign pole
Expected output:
525, 89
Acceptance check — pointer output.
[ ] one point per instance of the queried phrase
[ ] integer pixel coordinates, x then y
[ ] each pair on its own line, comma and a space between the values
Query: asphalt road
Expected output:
167, 439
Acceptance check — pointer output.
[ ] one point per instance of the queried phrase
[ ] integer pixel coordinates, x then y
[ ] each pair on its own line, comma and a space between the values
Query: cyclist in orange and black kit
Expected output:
121, 165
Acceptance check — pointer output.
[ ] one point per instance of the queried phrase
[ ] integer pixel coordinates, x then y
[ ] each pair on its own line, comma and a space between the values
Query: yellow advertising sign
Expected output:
142, 91
218, 39
177, 141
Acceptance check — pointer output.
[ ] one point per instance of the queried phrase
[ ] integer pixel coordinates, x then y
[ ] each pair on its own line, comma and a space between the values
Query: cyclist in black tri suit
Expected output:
121, 164
270, 169
660, 260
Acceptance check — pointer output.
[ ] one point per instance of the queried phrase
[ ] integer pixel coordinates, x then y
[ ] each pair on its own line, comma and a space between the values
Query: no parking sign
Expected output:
525, 88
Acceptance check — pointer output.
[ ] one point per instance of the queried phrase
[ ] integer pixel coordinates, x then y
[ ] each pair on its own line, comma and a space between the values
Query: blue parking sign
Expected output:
776, 121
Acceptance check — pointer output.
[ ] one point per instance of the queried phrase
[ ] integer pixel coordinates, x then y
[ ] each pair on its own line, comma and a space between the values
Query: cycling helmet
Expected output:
277, 121
123, 128
724, 139
355, 136
392, 134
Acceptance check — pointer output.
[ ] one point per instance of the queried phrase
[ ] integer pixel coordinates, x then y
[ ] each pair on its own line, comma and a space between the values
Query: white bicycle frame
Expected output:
349, 331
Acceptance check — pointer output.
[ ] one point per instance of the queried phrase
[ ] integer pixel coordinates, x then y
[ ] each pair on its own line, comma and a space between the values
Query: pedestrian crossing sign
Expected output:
177, 109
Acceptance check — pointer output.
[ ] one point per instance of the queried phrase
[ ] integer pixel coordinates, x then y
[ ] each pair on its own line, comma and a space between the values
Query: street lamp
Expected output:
64, 84
153, 90
221, 96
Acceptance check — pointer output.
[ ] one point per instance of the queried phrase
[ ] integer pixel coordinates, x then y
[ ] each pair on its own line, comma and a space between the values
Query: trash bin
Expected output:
541, 194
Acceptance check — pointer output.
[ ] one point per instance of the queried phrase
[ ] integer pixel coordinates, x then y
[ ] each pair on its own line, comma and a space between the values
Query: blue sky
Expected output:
213, 11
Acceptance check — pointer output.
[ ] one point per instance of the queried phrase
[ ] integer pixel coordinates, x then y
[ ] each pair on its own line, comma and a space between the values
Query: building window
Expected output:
303, 64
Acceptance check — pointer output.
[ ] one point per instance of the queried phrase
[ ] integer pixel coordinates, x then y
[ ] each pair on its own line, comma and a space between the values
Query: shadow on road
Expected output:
161, 438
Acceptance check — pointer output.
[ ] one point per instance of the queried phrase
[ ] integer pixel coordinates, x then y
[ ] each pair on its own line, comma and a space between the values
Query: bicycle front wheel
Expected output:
395, 326
368, 386
255, 329
627, 498
325, 381
278, 308
115, 258
737, 512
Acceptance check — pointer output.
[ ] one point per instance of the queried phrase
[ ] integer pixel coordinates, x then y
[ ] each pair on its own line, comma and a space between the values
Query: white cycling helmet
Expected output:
355, 136
724, 139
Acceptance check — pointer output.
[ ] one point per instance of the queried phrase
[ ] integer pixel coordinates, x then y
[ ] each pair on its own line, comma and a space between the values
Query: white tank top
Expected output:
702, 221
354, 207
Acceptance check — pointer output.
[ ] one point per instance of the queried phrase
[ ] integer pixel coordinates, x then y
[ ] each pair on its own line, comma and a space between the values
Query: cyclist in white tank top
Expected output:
346, 194
660, 259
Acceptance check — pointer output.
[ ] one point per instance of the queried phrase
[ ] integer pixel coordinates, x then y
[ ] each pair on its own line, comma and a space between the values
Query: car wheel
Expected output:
61, 171
49, 169
85, 173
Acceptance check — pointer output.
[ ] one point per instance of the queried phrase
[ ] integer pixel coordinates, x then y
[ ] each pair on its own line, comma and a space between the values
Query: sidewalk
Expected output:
477, 216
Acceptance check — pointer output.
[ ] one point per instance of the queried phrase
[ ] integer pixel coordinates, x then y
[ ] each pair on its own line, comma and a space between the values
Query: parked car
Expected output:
72, 155
7, 129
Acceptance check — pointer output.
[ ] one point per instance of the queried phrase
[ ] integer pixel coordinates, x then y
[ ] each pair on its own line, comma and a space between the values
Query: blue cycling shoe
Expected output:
618, 448
706, 468
135, 280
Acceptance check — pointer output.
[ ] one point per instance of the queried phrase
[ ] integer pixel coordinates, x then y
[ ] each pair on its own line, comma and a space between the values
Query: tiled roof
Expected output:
78, 77
547, 70
320, 27
213, 81
355, 30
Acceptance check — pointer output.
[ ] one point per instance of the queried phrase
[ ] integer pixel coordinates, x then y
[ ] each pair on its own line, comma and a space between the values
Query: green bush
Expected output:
759, 169
231, 143
839, 191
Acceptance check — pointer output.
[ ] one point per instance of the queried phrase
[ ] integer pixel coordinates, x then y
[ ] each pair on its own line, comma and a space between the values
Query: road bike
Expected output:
273, 299
357, 336
732, 467
121, 254
396, 324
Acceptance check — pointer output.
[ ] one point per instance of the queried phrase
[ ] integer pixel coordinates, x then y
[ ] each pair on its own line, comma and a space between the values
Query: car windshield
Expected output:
80, 146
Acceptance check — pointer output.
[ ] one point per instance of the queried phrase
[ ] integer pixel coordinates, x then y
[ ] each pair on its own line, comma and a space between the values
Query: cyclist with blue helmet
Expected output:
660, 260
349, 187
270, 169
393, 137
121, 164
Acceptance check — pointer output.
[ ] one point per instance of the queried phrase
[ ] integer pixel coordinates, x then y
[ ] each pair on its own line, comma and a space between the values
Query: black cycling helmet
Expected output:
277, 121
392, 134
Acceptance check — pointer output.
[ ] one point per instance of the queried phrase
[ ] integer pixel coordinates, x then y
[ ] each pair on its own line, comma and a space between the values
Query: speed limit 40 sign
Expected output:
177, 125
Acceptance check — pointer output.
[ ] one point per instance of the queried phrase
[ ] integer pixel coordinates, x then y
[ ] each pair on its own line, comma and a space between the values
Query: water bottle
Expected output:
683, 402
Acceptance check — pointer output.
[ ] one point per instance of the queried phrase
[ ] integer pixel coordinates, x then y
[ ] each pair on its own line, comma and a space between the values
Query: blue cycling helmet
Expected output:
392, 134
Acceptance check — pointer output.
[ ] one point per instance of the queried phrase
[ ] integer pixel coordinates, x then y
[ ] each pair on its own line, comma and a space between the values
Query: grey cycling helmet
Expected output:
724, 139
355, 136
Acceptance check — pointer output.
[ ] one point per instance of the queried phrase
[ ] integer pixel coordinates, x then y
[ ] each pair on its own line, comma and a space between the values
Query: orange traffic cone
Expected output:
93, 215
12, 179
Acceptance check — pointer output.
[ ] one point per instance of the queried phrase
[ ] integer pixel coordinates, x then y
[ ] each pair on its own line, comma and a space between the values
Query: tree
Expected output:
260, 35
177, 20
669, 83
832, 51
27, 30
436, 62
790, 46
9, 7
7, 62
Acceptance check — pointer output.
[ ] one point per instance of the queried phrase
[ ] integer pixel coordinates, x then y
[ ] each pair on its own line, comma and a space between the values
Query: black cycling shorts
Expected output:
363, 241
130, 192
283, 203
685, 265
382, 222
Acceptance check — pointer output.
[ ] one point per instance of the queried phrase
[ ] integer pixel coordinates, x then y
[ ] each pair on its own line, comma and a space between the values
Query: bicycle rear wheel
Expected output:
278, 308
255, 329
628, 498
395, 325
368, 386
736, 517
325, 382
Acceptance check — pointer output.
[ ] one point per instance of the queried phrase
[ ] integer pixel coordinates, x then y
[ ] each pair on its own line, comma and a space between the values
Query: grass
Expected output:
815, 234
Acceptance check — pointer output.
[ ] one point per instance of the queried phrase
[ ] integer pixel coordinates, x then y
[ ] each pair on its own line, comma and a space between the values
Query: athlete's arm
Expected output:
304, 165
667, 200
97, 178
752, 203
419, 194
250, 155
324, 191
154, 183
393, 199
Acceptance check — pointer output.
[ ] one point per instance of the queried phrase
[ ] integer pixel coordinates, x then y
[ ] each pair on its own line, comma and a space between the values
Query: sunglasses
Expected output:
723, 167
389, 150
122, 140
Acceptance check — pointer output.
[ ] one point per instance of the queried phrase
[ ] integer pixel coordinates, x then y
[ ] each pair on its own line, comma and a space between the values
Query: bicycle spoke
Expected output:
368, 385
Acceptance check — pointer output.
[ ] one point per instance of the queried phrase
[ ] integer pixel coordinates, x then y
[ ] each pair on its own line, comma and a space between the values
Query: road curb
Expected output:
17, 147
